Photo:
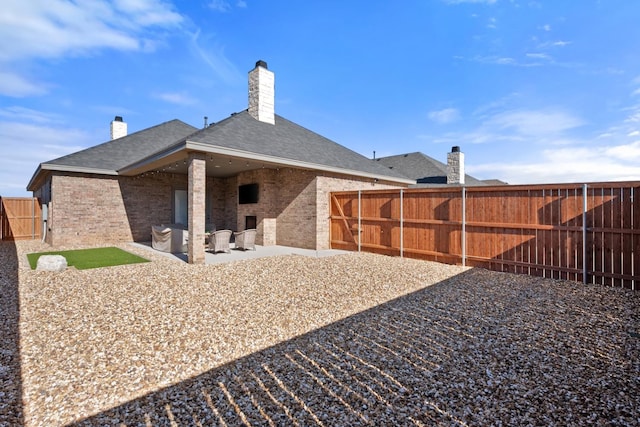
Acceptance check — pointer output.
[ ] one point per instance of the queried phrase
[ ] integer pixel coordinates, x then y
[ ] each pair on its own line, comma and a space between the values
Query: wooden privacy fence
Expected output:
583, 232
20, 218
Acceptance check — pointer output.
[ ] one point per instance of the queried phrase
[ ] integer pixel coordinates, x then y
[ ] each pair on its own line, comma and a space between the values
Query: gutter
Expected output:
44, 167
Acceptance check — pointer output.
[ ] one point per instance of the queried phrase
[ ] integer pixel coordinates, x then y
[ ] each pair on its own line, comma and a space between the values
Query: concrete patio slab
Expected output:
239, 255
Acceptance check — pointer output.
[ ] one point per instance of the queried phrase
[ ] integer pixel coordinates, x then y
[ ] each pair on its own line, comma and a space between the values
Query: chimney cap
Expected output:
455, 149
118, 119
262, 64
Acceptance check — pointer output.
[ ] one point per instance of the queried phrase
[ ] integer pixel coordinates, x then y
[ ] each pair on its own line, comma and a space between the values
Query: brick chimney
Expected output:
455, 166
118, 128
262, 93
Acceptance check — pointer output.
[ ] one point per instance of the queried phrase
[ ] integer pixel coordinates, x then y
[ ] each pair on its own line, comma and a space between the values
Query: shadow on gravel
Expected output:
10, 374
480, 348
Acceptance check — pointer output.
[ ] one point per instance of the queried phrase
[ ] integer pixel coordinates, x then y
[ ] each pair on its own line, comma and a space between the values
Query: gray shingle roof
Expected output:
118, 153
286, 140
426, 170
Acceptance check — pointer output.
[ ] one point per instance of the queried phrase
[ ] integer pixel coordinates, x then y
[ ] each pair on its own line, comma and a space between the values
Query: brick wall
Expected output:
87, 209
299, 201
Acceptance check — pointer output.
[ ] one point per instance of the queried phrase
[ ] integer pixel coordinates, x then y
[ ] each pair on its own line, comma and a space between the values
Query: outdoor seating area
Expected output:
174, 238
219, 241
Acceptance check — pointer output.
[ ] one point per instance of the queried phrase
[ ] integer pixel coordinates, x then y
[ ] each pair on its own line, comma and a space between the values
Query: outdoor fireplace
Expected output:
250, 222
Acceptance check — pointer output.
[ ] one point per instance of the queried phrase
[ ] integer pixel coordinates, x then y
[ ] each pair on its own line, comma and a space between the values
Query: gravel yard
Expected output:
290, 340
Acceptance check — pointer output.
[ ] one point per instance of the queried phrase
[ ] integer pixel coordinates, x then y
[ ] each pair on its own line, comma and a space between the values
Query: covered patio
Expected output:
240, 255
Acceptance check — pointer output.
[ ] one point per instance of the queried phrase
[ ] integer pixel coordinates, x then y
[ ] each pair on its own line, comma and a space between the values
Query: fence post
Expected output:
584, 233
359, 222
33, 218
401, 225
464, 226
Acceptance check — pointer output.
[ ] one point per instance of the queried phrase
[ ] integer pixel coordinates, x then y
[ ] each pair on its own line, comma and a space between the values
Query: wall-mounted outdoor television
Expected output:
248, 193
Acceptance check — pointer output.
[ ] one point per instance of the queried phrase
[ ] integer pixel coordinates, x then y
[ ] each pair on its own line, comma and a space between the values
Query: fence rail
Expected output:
583, 232
20, 218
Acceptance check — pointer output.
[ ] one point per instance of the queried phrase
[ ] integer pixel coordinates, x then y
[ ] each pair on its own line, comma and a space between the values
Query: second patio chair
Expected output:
219, 241
246, 239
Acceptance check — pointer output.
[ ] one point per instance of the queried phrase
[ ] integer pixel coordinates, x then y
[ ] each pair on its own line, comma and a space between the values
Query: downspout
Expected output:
45, 215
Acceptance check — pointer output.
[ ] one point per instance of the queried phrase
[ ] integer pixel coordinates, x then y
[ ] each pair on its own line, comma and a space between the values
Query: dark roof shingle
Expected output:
118, 153
286, 140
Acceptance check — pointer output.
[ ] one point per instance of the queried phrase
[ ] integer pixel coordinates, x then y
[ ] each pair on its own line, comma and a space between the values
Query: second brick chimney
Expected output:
262, 93
118, 128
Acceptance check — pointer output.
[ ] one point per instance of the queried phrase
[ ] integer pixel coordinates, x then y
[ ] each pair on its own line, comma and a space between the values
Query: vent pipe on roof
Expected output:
205, 121
118, 128
262, 93
455, 166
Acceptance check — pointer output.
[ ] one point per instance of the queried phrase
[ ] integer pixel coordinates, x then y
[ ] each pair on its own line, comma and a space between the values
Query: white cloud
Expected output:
625, 152
16, 113
470, 1
45, 29
538, 56
225, 6
534, 122
16, 86
214, 56
556, 152
179, 98
220, 5
53, 28
571, 164
444, 116
27, 145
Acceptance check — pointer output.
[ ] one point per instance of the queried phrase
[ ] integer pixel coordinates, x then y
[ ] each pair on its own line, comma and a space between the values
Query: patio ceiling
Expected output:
226, 162
218, 166
220, 163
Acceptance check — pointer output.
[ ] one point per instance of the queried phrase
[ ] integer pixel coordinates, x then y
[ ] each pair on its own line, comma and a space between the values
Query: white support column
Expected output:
197, 191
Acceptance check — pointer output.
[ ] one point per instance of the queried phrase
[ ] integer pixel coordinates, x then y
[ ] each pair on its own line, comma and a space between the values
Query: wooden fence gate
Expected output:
20, 218
583, 232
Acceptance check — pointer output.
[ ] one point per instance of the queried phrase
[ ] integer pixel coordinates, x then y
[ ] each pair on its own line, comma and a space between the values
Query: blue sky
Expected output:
532, 91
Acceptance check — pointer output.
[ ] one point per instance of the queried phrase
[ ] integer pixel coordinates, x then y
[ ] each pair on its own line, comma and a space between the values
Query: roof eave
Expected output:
198, 146
43, 168
187, 146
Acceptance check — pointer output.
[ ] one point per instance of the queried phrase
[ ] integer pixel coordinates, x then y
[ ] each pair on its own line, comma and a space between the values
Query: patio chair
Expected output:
246, 239
219, 241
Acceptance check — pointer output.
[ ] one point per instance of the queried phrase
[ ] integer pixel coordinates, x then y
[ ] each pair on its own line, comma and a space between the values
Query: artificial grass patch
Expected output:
83, 259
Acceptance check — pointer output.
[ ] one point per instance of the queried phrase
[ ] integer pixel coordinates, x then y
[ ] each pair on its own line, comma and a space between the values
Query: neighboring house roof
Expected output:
240, 135
494, 182
426, 170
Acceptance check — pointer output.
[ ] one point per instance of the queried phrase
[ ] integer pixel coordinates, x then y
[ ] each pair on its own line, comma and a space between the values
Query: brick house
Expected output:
252, 169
